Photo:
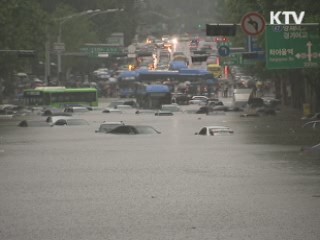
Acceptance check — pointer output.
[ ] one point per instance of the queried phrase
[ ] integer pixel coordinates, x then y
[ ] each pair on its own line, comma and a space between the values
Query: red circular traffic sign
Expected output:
253, 23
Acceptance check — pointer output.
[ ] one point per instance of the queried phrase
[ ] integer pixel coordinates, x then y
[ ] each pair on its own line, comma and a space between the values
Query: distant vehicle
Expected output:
271, 102
153, 96
60, 97
180, 98
33, 123
178, 56
111, 110
241, 97
76, 109
133, 130
163, 113
115, 104
106, 127
216, 70
53, 119
170, 107
177, 65
124, 107
212, 59
198, 100
70, 122
212, 109
55, 112
215, 131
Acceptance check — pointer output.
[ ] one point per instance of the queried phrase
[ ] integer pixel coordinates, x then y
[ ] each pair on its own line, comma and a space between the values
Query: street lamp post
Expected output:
60, 44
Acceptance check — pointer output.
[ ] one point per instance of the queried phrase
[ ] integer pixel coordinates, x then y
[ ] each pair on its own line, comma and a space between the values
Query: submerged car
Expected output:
70, 122
215, 131
33, 123
76, 109
134, 129
312, 124
163, 113
106, 127
111, 110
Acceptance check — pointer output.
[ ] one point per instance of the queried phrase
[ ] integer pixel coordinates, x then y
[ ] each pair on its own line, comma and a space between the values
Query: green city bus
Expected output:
59, 97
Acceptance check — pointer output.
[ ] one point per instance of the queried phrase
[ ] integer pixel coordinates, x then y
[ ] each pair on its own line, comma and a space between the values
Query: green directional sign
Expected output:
232, 59
99, 50
292, 46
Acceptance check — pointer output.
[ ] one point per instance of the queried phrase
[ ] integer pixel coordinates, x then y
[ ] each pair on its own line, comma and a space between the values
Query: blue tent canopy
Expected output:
128, 75
177, 65
157, 89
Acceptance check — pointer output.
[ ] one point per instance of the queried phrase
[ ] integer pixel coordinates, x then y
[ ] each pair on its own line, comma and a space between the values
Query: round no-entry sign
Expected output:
253, 23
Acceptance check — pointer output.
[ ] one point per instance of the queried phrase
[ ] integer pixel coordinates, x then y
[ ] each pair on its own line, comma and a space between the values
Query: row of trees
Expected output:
28, 25
303, 84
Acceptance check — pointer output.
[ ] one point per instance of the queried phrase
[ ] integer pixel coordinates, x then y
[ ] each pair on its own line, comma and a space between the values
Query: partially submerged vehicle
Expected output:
134, 130
241, 97
215, 131
106, 127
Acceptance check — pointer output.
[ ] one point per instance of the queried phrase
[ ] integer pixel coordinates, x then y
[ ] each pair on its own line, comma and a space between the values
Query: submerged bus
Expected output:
59, 97
153, 96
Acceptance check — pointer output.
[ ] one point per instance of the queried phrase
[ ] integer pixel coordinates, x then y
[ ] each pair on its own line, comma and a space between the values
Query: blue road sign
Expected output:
224, 51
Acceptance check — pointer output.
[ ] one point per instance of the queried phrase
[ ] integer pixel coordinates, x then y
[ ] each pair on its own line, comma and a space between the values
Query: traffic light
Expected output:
221, 29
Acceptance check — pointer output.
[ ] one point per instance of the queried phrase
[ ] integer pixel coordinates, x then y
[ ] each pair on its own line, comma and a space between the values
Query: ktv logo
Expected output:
287, 16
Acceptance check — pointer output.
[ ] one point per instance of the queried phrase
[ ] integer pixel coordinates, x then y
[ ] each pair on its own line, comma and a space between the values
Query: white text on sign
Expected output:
288, 15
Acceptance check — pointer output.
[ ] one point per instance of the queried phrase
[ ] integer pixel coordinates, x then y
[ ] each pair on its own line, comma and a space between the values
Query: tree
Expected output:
22, 27
296, 79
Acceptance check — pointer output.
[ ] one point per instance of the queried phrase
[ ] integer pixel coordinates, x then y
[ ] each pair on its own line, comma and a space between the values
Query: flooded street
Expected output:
72, 183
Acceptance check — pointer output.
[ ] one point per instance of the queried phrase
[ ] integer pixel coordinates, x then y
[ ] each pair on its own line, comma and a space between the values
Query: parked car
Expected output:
215, 131
70, 122
133, 130
106, 127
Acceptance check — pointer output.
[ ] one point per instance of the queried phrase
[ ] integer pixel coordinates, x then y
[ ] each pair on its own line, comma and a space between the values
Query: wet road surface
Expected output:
72, 183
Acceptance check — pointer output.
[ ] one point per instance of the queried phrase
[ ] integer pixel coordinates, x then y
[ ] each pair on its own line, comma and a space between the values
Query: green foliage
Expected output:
22, 27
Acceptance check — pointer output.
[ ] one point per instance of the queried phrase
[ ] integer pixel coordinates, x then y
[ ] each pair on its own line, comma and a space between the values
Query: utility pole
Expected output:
47, 71
59, 46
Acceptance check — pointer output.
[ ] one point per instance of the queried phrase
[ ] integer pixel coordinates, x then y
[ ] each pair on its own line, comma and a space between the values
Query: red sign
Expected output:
253, 23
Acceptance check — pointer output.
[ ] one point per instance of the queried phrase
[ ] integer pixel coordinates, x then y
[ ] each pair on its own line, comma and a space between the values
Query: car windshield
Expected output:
146, 130
106, 127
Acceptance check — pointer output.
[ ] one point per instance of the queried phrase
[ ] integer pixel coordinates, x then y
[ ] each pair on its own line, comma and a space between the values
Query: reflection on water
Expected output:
73, 183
